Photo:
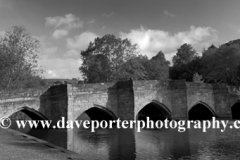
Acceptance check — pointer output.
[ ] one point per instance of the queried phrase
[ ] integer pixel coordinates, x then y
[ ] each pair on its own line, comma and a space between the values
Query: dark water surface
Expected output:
111, 144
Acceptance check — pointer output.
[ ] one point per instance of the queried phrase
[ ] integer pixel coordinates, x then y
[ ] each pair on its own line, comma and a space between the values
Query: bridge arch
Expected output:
155, 111
30, 112
98, 112
235, 109
201, 111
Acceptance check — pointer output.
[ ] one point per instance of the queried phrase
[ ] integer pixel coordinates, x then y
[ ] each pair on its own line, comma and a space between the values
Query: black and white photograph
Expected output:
119, 80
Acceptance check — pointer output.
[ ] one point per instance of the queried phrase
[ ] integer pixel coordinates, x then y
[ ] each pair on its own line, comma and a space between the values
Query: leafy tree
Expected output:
97, 68
184, 55
185, 63
134, 68
110, 58
18, 59
104, 58
158, 67
210, 51
223, 65
217, 65
181, 72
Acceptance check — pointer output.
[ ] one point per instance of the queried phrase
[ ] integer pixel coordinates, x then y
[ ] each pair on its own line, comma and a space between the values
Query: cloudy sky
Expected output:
65, 27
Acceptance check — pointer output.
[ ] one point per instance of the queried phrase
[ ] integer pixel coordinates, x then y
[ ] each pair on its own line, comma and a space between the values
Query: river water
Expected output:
127, 144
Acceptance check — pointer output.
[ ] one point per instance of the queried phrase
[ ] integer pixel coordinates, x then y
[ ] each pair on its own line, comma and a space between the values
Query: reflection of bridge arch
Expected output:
154, 110
30, 112
98, 112
201, 111
235, 109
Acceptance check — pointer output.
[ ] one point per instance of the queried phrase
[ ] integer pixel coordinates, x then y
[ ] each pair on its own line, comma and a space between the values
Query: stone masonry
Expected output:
121, 99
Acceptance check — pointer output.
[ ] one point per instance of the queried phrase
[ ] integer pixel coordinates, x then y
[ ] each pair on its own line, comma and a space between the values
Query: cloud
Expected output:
60, 65
108, 14
62, 25
61, 68
65, 64
81, 41
57, 61
152, 41
47, 50
72, 54
92, 21
60, 33
2, 33
69, 21
167, 13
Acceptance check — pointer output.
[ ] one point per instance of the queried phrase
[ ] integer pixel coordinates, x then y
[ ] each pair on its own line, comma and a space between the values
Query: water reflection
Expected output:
148, 144
105, 144
154, 144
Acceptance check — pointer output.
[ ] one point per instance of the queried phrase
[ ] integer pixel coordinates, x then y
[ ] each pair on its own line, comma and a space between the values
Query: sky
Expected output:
65, 27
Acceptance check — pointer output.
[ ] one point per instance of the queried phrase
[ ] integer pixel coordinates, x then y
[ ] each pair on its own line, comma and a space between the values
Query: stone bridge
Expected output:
127, 100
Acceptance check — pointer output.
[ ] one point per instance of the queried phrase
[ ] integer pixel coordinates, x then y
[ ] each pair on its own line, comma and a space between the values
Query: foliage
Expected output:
158, 67
110, 58
223, 65
184, 55
185, 63
104, 57
133, 68
18, 59
217, 65
197, 78
180, 72
210, 51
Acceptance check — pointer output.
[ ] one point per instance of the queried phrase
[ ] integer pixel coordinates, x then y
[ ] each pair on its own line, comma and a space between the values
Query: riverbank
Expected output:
19, 146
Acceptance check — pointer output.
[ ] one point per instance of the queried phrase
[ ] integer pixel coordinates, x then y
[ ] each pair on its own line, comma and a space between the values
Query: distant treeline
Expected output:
110, 58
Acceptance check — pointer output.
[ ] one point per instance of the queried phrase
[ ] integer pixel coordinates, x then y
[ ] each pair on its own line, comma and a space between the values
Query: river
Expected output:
127, 144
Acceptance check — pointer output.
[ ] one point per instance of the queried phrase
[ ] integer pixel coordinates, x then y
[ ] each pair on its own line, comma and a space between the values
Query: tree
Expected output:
185, 63
104, 58
181, 72
184, 55
98, 69
210, 51
217, 65
133, 68
158, 67
18, 59
223, 65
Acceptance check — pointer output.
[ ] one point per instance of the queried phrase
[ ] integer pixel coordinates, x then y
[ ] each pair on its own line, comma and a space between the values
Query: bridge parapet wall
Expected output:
11, 101
51, 102
219, 97
82, 97
125, 99
21, 94
117, 97
200, 93
225, 97
144, 93
178, 96
171, 94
